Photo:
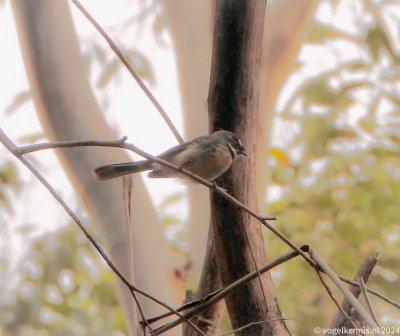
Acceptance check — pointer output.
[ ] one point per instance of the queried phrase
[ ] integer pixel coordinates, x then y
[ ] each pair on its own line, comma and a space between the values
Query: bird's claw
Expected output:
215, 185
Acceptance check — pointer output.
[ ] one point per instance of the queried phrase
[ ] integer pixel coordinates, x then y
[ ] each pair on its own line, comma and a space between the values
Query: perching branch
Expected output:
122, 144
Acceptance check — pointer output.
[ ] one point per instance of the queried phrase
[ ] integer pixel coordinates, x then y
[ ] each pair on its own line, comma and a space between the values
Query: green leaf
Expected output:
9, 176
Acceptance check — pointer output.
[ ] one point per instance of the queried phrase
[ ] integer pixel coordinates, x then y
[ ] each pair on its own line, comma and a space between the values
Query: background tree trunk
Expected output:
68, 111
191, 28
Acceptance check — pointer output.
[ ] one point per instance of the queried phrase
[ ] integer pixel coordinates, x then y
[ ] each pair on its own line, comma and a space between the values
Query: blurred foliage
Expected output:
336, 171
8, 180
63, 287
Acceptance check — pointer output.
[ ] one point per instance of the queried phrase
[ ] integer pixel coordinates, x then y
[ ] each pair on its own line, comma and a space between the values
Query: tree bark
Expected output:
233, 106
209, 320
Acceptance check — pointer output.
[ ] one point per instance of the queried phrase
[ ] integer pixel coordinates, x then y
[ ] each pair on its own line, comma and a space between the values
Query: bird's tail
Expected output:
120, 169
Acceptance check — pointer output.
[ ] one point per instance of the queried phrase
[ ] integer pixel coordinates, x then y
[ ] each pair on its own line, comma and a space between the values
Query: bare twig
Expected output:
357, 306
118, 52
255, 323
70, 144
328, 290
256, 266
17, 153
364, 271
367, 300
127, 185
384, 298
210, 299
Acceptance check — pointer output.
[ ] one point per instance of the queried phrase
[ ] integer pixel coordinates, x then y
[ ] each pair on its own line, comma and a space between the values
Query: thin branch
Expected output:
256, 266
142, 314
127, 185
364, 271
255, 323
355, 303
328, 290
367, 300
70, 144
210, 299
118, 52
17, 153
374, 292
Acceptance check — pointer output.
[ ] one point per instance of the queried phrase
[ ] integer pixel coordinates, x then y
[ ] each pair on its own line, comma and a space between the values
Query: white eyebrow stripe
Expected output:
233, 151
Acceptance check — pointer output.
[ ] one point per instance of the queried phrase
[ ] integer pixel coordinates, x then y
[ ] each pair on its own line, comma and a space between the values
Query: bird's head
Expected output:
233, 142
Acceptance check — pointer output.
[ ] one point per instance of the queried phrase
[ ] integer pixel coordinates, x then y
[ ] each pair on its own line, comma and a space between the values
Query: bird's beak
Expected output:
242, 152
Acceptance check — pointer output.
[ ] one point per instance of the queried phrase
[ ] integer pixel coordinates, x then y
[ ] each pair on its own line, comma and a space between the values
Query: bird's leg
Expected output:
215, 185
178, 169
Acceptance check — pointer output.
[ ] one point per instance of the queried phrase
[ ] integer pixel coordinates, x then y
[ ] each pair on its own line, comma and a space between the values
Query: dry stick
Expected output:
333, 298
256, 266
118, 52
127, 185
212, 298
366, 297
364, 271
355, 303
379, 295
221, 293
255, 323
121, 144
16, 151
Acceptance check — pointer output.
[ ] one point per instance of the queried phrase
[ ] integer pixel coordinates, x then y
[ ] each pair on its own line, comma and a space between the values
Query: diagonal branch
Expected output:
216, 296
328, 290
15, 150
118, 52
122, 144
367, 300
346, 292
364, 271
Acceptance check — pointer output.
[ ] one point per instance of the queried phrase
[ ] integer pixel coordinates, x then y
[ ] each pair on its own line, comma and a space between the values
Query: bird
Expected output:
208, 156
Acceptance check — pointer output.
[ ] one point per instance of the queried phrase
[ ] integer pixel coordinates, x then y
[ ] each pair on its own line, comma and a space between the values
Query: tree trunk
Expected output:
68, 111
233, 105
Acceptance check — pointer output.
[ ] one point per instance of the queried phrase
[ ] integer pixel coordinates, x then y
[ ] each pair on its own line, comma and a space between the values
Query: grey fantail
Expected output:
208, 156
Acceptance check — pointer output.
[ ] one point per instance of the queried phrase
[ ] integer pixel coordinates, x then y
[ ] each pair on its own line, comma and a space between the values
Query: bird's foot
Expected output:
215, 185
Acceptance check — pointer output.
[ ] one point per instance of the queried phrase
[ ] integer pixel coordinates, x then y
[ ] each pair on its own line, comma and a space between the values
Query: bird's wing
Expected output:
172, 152
187, 151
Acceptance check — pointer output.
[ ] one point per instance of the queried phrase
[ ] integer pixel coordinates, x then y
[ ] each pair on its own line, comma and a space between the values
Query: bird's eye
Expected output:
237, 144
